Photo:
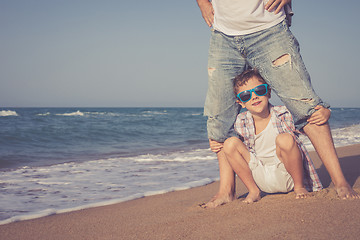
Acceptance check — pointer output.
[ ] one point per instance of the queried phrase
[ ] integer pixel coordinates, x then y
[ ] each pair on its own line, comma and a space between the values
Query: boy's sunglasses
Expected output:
260, 90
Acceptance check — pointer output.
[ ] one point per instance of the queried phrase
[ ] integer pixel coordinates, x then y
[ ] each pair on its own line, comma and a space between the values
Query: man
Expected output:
254, 34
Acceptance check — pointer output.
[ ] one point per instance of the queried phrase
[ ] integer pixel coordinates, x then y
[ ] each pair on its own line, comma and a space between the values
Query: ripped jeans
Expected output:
276, 54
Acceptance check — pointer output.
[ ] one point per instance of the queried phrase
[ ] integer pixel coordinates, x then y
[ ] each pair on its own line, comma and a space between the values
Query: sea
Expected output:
56, 160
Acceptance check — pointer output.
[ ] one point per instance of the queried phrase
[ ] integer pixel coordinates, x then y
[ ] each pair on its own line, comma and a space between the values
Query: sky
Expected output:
87, 53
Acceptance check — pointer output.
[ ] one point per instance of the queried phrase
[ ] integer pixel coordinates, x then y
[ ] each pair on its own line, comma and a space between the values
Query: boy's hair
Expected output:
244, 77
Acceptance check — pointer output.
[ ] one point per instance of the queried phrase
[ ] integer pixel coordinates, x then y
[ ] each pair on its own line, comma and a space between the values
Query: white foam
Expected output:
111, 114
51, 211
189, 156
48, 212
39, 214
156, 112
77, 113
78, 185
347, 135
5, 113
341, 136
43, 114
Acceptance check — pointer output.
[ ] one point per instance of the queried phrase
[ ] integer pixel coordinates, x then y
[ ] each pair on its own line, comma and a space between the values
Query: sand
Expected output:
177, 215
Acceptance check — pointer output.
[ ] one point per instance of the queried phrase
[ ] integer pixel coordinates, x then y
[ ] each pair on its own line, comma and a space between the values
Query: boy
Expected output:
272, 158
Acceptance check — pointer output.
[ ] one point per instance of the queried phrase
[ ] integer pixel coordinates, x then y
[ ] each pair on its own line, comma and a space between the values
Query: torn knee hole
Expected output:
281, 60
307, 100
304, 100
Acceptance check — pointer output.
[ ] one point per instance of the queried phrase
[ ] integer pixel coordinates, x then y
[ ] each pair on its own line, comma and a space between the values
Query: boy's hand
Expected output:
215, 146
276, 4
321, 116
207, 11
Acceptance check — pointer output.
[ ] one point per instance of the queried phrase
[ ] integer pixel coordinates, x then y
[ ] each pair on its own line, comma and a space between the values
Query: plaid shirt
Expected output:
283, 122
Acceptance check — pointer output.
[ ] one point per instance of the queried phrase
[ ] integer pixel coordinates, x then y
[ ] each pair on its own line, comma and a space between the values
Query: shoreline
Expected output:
177, 214
50, 212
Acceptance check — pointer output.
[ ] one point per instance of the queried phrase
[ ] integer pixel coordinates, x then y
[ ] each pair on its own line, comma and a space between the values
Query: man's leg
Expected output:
320, 137
224, 63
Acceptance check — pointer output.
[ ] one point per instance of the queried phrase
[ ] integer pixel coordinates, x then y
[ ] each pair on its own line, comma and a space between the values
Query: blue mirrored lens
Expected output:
261, 90
245, 96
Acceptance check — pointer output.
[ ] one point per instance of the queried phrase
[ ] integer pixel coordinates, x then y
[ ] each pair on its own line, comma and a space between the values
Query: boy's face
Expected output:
256, 104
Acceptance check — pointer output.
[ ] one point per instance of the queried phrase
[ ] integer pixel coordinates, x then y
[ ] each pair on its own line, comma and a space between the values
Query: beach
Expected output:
177, 215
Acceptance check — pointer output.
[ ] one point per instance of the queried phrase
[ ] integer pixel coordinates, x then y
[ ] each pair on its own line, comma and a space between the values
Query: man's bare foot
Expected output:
301, 193
252, 197
218, 200
346, 192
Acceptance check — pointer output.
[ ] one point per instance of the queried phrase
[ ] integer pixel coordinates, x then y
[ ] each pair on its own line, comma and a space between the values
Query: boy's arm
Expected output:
207, 11
321, 116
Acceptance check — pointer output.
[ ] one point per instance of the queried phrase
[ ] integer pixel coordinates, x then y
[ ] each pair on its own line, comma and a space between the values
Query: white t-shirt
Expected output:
240, 17
265, 146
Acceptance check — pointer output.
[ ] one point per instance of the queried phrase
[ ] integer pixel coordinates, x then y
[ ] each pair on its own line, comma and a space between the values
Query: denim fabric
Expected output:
231, 55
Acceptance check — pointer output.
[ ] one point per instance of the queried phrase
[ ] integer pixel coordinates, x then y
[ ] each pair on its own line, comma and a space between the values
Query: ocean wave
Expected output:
5, 113
346, 135
77, 113
43, 114
155, 112
100, 182
110, 114
188, 156
52, 211
343, 136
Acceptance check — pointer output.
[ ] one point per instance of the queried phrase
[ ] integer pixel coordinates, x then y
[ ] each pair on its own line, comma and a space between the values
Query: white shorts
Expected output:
272, 177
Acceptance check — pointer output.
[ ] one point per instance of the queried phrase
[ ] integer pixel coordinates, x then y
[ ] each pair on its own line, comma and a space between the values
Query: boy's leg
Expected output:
321, 138
226, 192
238, 157
289, 154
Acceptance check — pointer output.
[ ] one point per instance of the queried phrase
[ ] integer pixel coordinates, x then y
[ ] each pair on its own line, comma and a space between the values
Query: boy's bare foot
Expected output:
301, 193
218, 200
252, 197
346, 192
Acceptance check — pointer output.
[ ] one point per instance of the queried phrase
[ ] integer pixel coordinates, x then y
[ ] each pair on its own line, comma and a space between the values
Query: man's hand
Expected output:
215, 146
276, 4
207, 11
321, 116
